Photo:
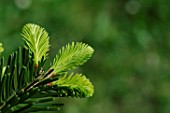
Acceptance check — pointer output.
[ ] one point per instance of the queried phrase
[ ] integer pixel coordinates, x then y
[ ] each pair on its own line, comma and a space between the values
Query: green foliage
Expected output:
71, 56
76, 82
24, 84
37, 40
1, 48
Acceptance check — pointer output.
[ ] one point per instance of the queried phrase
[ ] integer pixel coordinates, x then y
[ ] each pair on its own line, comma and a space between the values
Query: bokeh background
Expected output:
130, 68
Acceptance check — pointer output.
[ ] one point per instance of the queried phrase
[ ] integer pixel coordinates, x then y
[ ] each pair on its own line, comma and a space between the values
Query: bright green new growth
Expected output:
37, 40
71, 56
1, 48
78, 82
24, 84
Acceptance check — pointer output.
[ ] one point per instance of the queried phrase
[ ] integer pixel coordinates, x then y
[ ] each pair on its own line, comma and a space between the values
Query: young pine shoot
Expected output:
25, 86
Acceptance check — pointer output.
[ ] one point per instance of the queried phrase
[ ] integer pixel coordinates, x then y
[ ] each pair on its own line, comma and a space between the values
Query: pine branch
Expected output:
24, 88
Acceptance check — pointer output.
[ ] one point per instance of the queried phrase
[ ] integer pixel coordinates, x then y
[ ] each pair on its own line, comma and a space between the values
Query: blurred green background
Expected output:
130, 68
